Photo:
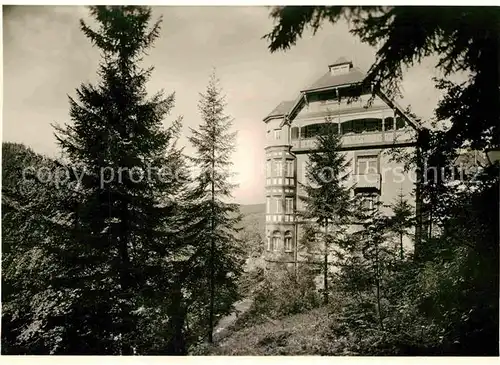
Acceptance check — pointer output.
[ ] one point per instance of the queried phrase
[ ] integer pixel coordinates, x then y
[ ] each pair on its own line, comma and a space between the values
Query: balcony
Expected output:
368, 139
367, 181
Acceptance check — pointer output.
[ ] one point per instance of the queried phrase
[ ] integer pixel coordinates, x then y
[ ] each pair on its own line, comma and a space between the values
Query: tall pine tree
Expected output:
327, 193
121, 255
214, 218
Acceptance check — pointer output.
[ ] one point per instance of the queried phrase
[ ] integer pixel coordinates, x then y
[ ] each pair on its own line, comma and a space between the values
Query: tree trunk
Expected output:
418, 204
377, 280
401, 245
212, 248
126, 348
177, 313
325, 268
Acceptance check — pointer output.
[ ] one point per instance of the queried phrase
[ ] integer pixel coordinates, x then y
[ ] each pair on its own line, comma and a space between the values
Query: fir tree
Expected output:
214, 219
401, 221
121, 254
327, 194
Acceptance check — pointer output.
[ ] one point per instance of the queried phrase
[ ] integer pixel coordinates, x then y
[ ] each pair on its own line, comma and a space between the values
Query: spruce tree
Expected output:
401, 221
121, 254
214, 218
327, 193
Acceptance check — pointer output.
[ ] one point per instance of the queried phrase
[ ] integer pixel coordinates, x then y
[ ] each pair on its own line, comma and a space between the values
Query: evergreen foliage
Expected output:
214, 220
327, 194
447, 297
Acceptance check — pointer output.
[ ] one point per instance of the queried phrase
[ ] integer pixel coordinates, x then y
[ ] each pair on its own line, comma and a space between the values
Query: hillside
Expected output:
254, 217
301, 334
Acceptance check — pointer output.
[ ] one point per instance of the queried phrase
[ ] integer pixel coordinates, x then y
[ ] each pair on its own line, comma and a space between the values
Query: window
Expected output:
347, 127
289, 169
279, 205
289, 205
276, 241
339, 70
279, 168
269, 243
367, 165
362, 125
389, 124
368, 202
319, 129
288, 241
277, 134
268, 168
268, 205
400, 123
295, 133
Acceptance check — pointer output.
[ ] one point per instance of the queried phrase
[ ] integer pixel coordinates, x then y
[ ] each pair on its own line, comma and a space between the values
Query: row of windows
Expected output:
274, 241
275, 168
364, 165
350, 126
275, 205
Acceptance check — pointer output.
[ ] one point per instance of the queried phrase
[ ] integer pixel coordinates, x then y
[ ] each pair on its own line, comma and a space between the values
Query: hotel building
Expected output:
368, 130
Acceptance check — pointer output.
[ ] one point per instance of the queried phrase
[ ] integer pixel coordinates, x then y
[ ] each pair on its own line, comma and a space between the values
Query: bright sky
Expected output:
46, 57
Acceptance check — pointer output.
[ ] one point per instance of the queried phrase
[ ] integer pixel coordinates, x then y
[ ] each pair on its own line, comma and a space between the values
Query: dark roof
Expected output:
340, 61
282, 109
355, 75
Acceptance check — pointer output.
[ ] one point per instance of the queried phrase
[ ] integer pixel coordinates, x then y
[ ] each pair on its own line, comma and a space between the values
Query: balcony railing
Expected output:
362, 139
367, 181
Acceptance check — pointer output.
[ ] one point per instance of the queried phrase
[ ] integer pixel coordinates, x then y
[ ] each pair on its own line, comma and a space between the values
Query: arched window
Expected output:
276, 240
288, 241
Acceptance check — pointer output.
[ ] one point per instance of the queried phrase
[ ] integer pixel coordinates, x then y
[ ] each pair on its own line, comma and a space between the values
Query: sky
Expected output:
46, 57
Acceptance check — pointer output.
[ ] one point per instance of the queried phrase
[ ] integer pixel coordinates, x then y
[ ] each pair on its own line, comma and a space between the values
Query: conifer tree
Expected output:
33, 227
401, 221
327, 194
122, 252
214, 218
365, 264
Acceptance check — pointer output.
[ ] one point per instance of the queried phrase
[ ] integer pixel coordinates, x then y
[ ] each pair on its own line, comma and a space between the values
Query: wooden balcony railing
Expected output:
361, 139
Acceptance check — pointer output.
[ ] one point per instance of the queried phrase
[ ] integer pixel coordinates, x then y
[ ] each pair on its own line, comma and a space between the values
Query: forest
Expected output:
119, 248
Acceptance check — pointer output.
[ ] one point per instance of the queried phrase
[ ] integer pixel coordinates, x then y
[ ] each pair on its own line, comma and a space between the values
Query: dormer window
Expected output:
339, 69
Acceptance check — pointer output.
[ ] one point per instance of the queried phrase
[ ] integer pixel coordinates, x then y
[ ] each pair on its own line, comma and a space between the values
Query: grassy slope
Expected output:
301, 334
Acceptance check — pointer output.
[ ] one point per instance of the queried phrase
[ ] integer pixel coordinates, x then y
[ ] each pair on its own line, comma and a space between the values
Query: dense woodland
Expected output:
95, 262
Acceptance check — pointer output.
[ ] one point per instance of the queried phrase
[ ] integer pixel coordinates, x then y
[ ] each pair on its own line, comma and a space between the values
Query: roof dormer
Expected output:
340, 67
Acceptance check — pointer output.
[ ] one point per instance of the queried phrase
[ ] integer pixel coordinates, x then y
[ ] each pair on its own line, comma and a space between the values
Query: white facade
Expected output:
368, 132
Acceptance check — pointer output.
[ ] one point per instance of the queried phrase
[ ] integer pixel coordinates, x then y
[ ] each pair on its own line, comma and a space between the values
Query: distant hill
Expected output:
254, 217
